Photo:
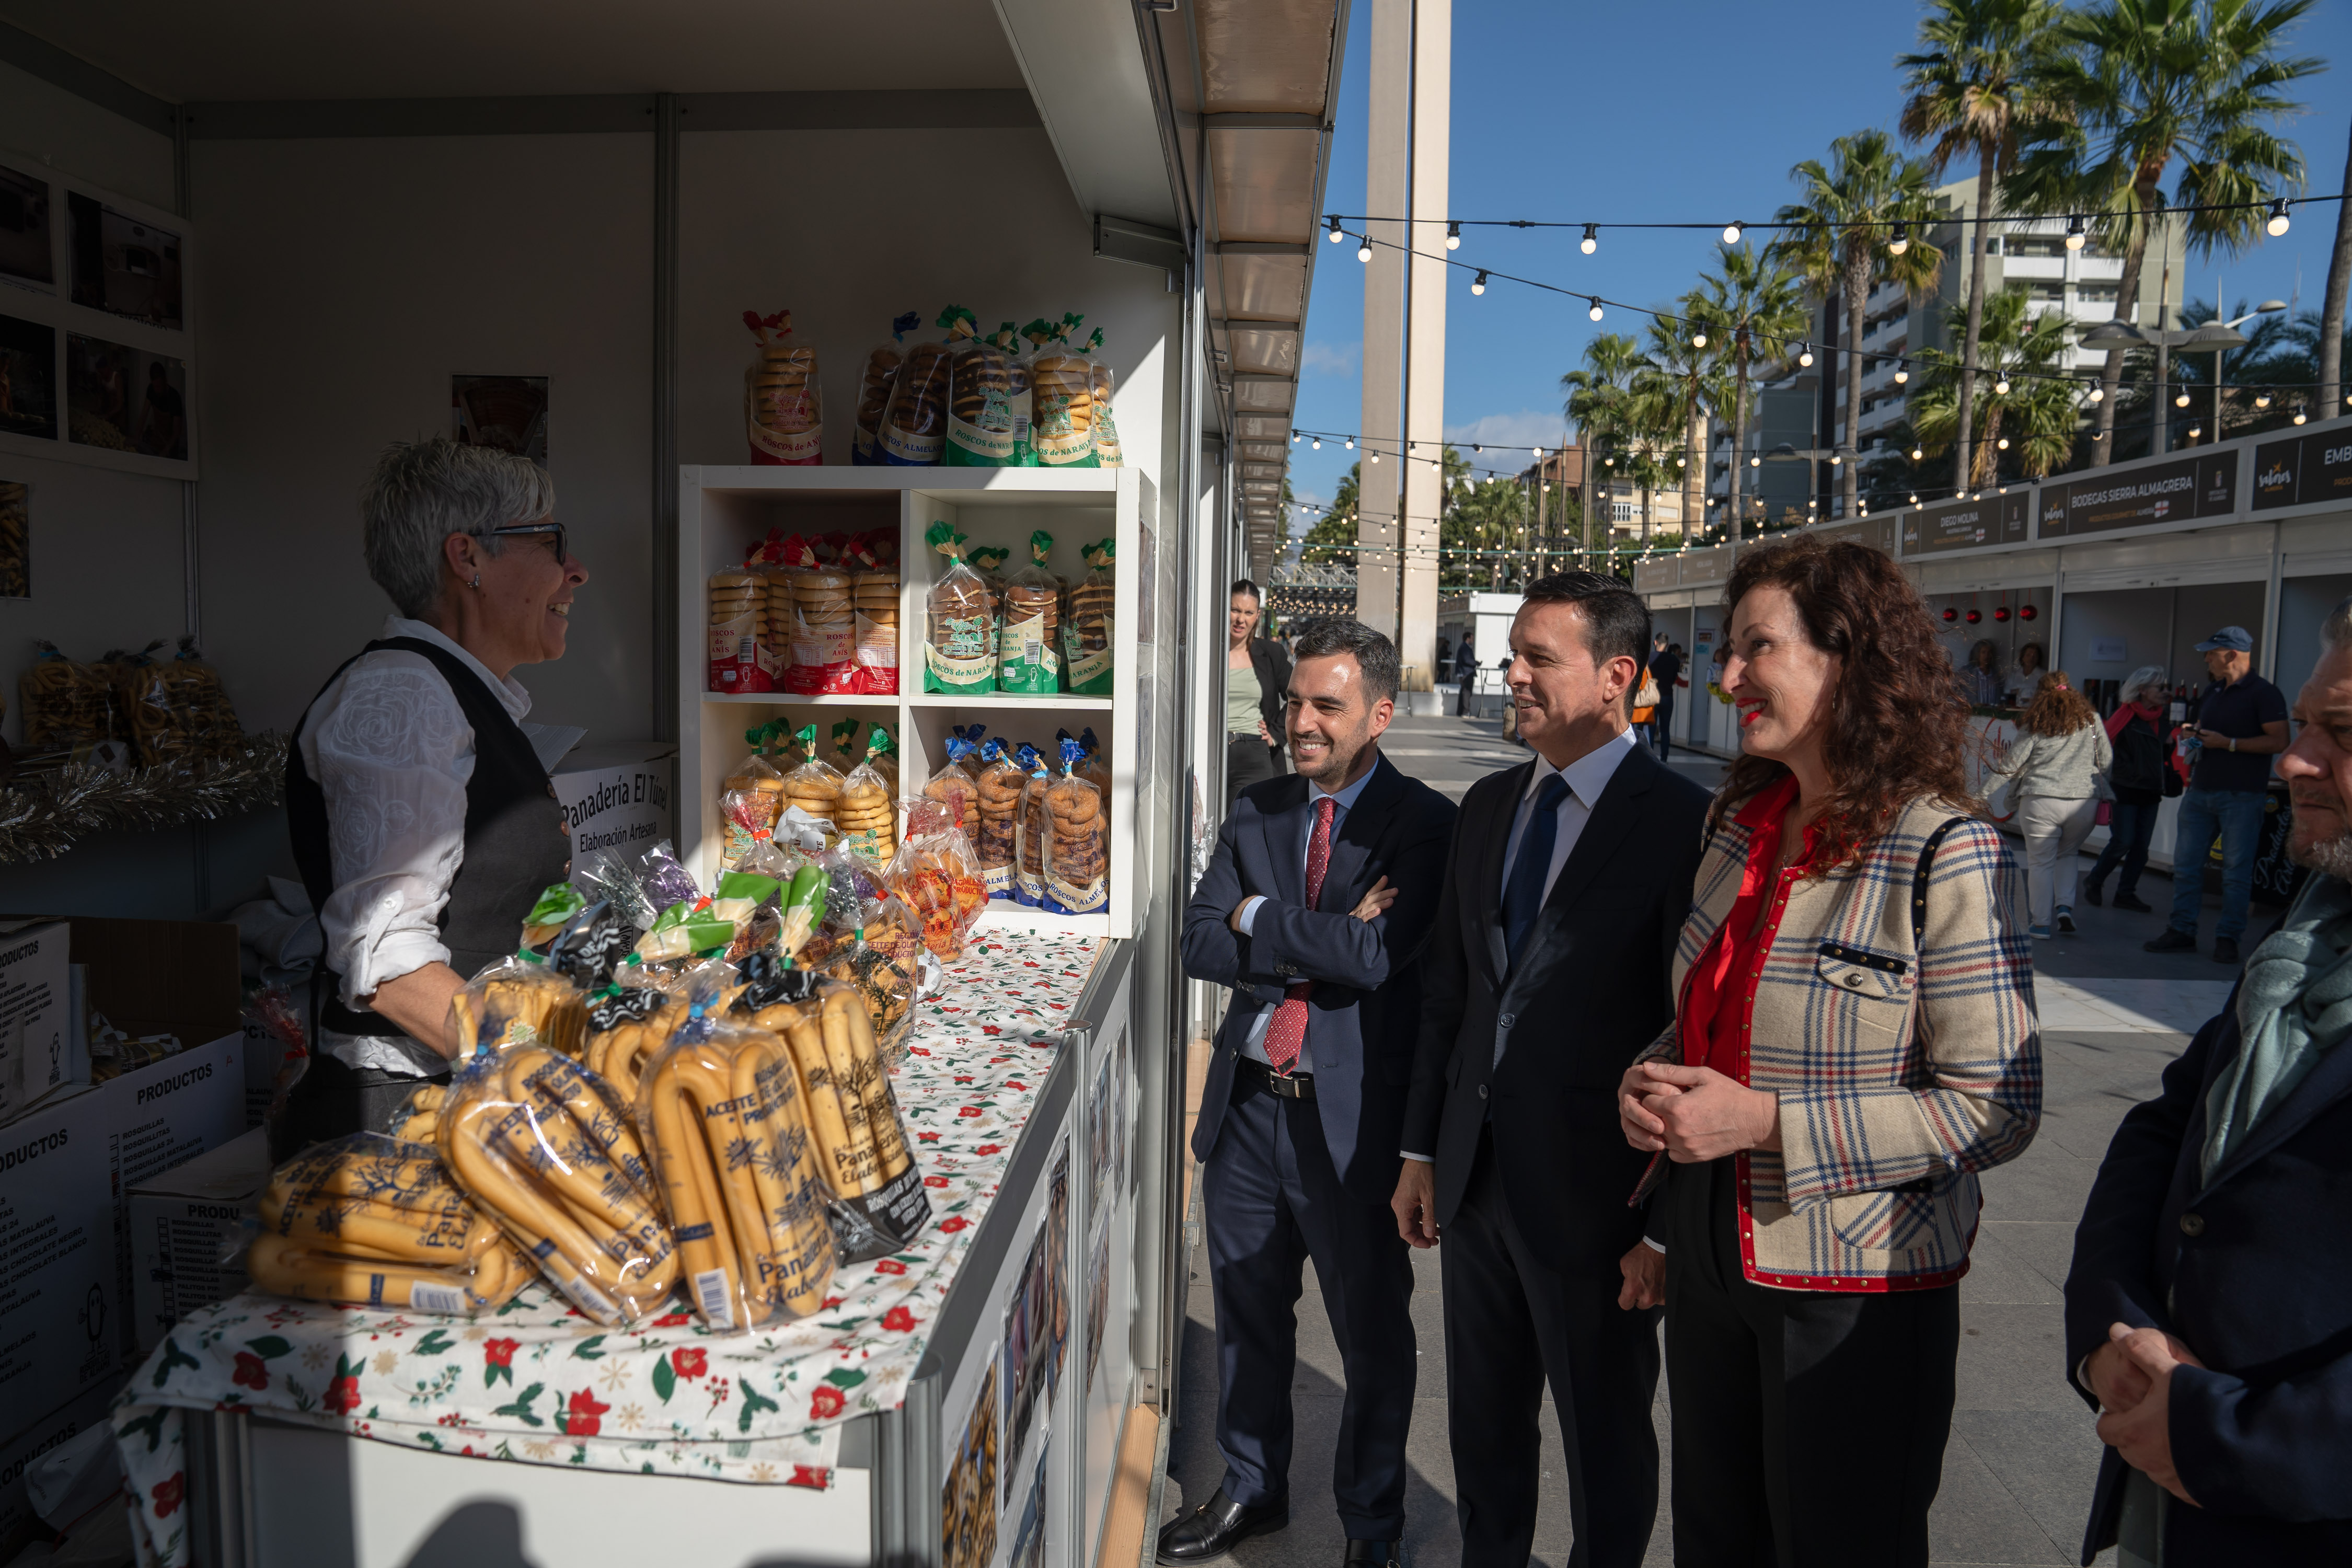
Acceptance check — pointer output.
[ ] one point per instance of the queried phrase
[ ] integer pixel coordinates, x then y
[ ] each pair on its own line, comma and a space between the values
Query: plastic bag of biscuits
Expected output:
915, 421
67, 705
980, 393
1062, 402
955, 790
868, 815
1078, 842
157, 730
750, 799
936, 875
873, 383
198, 695
1038, 336
989, 560
812, 790
517, 1001
1030, 829
1089, 637
958, 628
1096, 769
883, 752
1106, 448
1001, 782
874, 606
823, 627
1028, 658
784, 406
739, 599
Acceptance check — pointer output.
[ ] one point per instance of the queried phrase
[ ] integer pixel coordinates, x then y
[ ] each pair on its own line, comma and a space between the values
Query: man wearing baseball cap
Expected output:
2240, 724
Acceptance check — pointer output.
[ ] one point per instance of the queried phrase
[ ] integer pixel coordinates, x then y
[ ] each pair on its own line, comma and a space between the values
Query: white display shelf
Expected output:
724, 511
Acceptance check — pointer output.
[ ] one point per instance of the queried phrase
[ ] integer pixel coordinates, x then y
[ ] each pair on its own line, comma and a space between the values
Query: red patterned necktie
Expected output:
1287, 1031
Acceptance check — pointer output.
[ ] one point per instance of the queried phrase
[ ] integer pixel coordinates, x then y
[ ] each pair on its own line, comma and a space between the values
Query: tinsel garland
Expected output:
44, 813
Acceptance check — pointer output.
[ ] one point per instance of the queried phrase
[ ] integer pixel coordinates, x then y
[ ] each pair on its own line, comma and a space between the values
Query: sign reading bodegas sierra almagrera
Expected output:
2204, 485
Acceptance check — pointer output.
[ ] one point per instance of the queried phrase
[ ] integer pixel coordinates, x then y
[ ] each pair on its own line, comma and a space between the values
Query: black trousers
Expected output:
1248, 761
1809, 1427
1513, 1320
330, 1100
1270, 1199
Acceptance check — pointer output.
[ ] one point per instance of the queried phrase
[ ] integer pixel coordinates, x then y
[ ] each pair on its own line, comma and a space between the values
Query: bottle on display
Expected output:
874, 385
783, 406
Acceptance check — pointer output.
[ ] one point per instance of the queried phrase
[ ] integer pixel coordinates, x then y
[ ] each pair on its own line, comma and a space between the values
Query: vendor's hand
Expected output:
2118, 1381
1706, 1115
1375, 903
1645, 1268
418, 1002
1415, 1203
1263, 733
1642, 1127
2214, 738
2142, 1435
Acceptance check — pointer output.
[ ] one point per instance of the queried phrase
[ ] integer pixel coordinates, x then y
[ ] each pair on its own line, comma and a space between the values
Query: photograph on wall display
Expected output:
25, 228
1057, 1323
968, 1500
122, 265
1022, 1362
15, 540
1102, 1143
29, 379
1097, 1301
1029, 1539
507, 412
125, 399
1118, 1116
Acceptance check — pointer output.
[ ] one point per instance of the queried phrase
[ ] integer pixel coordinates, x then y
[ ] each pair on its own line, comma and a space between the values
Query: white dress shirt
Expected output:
389, 748
1254, 1047
1585, 777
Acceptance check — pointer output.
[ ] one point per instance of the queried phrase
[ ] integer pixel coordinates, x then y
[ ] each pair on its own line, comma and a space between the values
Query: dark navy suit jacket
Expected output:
2252, 1269
1366, 1007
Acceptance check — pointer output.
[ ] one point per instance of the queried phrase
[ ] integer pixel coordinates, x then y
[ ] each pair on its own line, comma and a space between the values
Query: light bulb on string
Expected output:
1591, 240
1335, 232
1351, 443
1375, 456
1804, 353
1453, 235
1479, 284
2180, 399
1915, 497
1318, 443
2263, 398
1698, 339
1364, 251
1900, 241
2001, 387
1901, 373
1916, 454
1755, 461
2075, 235
2195, 431
2002, 444
2098, 393
1293, 437
1595, 312
2277, 223
2299, 415
1731, 232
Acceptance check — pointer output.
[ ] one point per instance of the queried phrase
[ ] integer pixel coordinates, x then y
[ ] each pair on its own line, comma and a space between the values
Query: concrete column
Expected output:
1424, 357
1387, 192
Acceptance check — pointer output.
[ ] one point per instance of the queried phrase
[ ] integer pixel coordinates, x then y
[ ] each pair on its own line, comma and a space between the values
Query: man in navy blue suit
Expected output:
1314, 910
2209, 1310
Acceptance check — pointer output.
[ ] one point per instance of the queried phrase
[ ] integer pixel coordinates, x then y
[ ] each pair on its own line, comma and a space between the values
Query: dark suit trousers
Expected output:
1809, 1427
1271, 1199
1512, 1320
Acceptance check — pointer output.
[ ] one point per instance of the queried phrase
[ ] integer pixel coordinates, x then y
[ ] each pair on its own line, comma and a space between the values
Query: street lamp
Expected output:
2215, 338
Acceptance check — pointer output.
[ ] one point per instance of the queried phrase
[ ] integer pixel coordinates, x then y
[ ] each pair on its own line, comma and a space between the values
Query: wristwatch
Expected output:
2233, 742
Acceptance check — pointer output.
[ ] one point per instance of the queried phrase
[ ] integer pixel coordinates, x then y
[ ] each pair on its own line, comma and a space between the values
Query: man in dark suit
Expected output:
2208, 1309
1565, 891
1299, 1117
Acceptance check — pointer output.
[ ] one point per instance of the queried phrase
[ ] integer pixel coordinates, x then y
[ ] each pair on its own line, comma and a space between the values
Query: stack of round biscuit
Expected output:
876, 597
918, 398
815, 788
1064, 381
864, 808
1090, 611
981, 372
821, 600
873, 387
1076, 851
736, 597
1000, 803
782, 396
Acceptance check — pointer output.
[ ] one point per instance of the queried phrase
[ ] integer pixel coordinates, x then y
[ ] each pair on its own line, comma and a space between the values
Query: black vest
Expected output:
517, 841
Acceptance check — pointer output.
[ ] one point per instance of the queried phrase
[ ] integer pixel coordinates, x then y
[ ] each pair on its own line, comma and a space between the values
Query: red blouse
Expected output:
1719, 993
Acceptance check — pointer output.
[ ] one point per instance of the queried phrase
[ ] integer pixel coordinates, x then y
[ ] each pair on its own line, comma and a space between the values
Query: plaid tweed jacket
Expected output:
1904, 1067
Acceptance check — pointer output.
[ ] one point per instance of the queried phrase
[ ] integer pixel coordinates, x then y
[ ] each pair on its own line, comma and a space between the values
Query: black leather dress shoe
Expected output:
1213, 1529
1375, 1554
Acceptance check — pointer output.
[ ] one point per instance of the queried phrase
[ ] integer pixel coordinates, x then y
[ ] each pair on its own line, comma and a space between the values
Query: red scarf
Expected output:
1721, 990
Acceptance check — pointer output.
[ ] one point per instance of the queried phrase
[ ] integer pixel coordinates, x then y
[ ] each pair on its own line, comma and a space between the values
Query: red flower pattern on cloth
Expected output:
689, 1361
344, 1395
954, 1222
168, 1494
826, 1403
899, 1320
889, 1266
583, 1419
499, 1352
252, 1372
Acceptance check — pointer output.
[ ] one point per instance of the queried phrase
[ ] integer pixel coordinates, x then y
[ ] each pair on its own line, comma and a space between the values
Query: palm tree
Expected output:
2024, 351
1332, 541
1977, 89
1751, 305
1601, 403
2331, 311
1683, 382
1843, 238
2155, 82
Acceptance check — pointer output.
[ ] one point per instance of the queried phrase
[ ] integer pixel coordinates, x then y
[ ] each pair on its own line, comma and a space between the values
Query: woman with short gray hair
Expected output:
421, 817
2136, 731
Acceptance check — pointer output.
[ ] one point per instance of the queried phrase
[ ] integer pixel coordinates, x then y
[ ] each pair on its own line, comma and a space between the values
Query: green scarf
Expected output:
2294, 1003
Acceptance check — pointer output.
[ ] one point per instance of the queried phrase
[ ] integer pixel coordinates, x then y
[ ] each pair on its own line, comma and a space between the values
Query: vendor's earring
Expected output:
478, 579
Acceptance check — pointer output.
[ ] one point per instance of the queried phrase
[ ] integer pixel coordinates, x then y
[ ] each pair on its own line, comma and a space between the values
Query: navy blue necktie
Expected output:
1523, 890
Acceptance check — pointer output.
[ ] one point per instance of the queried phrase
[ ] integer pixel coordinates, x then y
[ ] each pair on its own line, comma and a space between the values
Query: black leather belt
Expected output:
1255, 1075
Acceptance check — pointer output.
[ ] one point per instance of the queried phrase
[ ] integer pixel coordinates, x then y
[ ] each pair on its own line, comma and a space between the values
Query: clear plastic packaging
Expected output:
375, 1221
721, 1108
936, 876
874, 385
737, 600
883, 959
1096, 769
823, 633
783, 405
954, 790
883, 752
1077, 840
874, 601
555, 910
813, 789
1036, 335
1029, 658
144, 712
867, 819
915, 420
1033, 829
959, 627
989, 560
626, 1027
202, 701
1063, 402
1089, 636
65, 705
515, 1002
1001, 783
980, 425
552, 1154
612, 877
1106, 448
747, 807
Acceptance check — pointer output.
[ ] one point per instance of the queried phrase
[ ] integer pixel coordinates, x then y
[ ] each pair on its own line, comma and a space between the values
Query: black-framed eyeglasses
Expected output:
562, 539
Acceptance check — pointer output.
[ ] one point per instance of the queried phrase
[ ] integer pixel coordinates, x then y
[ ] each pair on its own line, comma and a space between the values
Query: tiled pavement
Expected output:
2017, 1470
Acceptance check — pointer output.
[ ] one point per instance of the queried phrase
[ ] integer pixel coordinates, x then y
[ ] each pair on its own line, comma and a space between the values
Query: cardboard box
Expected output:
181, 1225
18, 1525
64, 1323
615, 796
37, 1032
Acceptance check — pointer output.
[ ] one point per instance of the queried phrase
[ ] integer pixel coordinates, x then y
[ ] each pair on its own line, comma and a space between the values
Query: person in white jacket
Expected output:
2058, 765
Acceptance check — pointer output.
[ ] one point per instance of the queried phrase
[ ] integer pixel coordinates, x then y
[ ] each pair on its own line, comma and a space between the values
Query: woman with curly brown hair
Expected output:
2057, 760
1854, 1039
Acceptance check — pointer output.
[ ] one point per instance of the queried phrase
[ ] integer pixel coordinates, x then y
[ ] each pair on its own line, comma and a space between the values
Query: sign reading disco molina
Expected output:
1965, 524
2142, 498
2304, 468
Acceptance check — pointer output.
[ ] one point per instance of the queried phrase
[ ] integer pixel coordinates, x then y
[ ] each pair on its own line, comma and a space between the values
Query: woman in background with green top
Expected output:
1257, 683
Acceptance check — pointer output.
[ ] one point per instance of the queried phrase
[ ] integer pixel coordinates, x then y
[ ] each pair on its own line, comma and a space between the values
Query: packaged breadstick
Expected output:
873, 390
813, 789
627, 1026
737, 598
915, 420
65, 705
784, 406
198, 695
1031, 831
981, 423
958, 633
1090, 637
376, 1221
1077, 840
1028, 656
1106, 448
552, 1154
517, 1002
999, 784
594, 943
1061, 398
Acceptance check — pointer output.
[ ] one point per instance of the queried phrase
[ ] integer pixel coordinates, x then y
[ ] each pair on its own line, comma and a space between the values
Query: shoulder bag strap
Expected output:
1919, 880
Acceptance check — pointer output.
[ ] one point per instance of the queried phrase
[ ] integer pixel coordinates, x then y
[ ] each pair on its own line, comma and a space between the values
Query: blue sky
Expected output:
1668, 111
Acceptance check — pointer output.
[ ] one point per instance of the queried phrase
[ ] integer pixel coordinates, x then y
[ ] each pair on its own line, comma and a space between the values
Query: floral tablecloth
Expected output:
537, 1381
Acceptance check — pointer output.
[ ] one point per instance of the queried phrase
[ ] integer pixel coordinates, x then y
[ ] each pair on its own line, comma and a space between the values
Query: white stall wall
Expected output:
77, 137
2305, 604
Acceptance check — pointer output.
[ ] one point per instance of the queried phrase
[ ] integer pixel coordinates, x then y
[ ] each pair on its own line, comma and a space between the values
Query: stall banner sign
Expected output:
2304, 468
535, 1383
1966, 524
2192, 487
1659, 572
622, 806
1878, 533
